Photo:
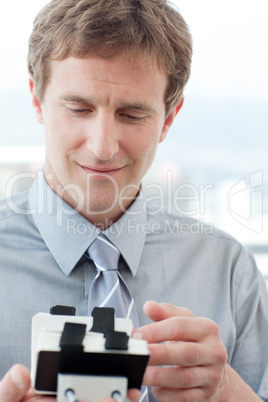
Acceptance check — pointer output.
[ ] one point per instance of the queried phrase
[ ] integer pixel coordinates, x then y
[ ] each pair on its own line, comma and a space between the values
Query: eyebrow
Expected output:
74, 98
139, 107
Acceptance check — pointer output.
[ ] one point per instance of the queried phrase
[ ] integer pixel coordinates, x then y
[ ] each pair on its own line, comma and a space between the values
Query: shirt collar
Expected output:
68, 234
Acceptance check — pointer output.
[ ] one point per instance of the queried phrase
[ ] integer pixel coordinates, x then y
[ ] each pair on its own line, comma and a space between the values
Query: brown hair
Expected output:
79, 28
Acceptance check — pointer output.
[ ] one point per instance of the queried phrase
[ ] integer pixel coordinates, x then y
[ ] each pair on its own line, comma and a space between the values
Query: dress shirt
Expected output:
164, 257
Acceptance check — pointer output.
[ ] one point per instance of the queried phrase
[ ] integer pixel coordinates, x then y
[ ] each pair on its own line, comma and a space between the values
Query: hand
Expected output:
193, 351
15, 387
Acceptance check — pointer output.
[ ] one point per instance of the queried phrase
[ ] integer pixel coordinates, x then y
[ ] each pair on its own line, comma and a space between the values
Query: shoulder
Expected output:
196, 243
15, 215
182, 225
18, 232
14, 206
188, 233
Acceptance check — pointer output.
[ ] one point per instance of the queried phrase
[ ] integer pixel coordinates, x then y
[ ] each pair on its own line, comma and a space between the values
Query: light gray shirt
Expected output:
165, 257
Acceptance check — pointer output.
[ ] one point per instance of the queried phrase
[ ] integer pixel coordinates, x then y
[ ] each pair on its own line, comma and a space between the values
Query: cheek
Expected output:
62, 134
144, 147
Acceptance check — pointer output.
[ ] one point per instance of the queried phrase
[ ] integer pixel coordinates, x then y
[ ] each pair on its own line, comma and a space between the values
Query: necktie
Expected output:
109, 288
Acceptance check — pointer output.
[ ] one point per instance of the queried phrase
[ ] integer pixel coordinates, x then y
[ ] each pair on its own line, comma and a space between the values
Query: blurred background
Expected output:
213, 164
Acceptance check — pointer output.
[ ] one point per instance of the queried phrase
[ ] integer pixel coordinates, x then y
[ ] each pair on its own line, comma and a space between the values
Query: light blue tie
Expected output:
109, 288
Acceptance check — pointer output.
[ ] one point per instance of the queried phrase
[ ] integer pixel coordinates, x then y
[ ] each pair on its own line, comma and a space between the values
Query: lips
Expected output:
101, 170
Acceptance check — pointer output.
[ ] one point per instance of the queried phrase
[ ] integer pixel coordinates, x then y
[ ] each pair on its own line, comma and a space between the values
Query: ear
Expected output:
170, 118
35, 102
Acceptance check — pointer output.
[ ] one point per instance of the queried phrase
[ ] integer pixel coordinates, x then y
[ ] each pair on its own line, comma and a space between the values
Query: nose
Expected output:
103, 137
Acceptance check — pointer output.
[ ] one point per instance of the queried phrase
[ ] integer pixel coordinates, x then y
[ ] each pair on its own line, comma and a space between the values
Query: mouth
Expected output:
102, 170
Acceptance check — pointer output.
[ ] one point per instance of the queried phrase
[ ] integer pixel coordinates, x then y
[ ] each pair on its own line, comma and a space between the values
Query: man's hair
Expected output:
80, 28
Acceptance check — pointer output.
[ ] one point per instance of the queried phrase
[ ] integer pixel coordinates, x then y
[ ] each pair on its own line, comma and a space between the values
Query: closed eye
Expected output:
78, 111
132, 118
137, 118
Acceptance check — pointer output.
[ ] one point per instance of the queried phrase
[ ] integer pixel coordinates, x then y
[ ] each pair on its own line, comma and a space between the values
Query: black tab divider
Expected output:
62, 310
71, 345
103, 319
73, 334
116, 340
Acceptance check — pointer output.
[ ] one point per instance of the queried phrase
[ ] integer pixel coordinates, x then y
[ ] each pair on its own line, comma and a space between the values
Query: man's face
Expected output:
103, 120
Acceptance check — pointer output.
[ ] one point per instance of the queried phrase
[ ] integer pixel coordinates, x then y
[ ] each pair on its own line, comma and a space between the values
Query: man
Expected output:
107, 81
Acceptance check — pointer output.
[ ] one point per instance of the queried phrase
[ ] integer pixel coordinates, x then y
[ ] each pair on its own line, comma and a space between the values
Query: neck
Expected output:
101, 219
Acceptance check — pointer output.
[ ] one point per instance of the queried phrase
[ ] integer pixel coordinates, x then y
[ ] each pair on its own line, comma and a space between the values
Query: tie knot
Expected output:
104, 254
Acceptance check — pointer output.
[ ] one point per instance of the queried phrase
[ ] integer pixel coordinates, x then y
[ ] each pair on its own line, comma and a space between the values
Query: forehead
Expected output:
118, 74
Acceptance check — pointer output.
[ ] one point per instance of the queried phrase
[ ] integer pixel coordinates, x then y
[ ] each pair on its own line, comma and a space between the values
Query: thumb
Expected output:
162, 311
15, 384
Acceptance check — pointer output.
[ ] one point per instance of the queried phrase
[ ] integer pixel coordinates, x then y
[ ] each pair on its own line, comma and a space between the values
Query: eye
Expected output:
78, 111
132, 118
129, 116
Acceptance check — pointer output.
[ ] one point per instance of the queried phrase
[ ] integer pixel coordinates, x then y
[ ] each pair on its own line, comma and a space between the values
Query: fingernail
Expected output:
137, 335
17, 378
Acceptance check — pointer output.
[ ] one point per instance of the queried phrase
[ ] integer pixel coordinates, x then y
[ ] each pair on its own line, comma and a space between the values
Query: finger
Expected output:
133, 394
31, 396
15, 384
184, 354
173, 394
188, 329
161, 311
179, 377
